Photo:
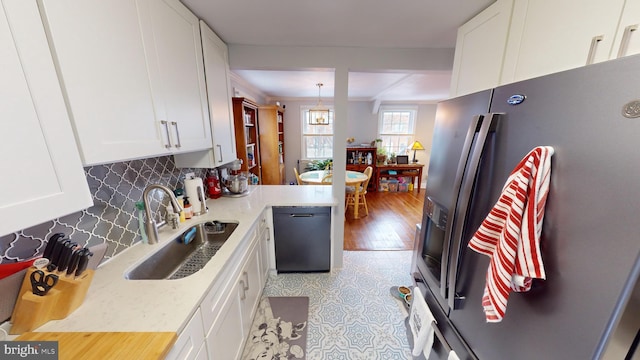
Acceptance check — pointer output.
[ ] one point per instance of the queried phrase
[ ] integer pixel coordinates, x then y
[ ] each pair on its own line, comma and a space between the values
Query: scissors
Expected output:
41, 284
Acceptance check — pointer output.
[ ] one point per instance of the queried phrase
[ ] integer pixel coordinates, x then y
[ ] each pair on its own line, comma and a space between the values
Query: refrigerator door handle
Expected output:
474, 127
463, 203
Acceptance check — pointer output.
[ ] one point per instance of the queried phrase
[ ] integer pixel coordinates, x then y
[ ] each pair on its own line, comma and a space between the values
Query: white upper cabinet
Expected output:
171, 35
480, 49
515, 40
216, 62
216, 67
101, 60
134, 89
548, 36
627, 41
42, 172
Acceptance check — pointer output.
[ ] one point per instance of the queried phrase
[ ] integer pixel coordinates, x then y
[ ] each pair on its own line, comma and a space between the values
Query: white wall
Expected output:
424, 134
362, 123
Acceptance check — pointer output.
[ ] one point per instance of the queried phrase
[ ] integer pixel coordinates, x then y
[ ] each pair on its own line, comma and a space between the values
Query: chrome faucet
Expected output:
150, 224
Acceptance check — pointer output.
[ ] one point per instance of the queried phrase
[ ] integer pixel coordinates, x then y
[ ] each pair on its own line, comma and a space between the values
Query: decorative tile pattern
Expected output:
352, 315
113, 218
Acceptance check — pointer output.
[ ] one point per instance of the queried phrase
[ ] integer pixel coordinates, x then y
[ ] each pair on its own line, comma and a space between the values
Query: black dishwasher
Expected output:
302, 238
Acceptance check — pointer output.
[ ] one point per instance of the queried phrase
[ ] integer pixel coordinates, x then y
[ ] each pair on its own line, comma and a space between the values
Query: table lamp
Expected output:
416, 146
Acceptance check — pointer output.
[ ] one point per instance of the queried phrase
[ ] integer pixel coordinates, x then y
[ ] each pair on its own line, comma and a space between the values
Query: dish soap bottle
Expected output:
143, 233
188, 211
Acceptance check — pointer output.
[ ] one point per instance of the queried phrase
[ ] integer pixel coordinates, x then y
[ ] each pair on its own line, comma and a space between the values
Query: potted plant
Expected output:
392, 158
320, 165
381, 155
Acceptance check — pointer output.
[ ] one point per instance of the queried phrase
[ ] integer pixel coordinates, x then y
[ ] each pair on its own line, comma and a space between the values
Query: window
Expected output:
396, 128
317, 140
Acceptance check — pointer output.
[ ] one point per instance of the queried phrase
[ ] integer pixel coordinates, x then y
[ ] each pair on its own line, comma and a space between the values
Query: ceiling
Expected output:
342, 23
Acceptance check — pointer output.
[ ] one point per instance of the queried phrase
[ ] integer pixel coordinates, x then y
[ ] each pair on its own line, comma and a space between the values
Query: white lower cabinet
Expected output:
190, 341
202, 353
250, 279
226, 312
226, 337
266, 244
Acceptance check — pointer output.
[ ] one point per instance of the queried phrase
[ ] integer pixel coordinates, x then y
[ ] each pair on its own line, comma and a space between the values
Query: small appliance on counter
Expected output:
235, 182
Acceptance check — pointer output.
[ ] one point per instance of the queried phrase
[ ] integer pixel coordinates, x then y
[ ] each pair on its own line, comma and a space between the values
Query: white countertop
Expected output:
116, 304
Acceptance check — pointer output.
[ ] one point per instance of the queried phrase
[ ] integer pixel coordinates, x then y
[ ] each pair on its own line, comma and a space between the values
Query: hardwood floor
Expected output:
390, 225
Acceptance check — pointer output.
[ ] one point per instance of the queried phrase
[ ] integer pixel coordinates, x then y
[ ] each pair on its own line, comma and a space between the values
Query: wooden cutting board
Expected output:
107, 345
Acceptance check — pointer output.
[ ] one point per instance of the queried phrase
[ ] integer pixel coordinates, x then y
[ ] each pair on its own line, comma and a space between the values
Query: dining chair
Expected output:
350, 191
298, 179
327, 179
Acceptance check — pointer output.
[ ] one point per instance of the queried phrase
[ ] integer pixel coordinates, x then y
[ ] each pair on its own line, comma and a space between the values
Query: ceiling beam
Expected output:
376, 106
391, 87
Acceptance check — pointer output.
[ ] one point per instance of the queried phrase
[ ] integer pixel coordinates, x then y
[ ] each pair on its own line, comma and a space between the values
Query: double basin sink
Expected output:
186, 254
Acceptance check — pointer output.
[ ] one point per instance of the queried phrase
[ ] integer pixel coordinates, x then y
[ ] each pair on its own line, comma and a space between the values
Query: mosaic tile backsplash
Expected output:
113, 219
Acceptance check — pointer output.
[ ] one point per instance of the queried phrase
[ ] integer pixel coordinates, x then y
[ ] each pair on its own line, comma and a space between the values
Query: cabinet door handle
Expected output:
244, 294
178, 144
592, 49
246, 276
166, 128
219, 151
624, 43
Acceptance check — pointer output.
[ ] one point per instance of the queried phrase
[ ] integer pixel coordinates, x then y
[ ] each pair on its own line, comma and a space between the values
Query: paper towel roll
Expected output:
194, 187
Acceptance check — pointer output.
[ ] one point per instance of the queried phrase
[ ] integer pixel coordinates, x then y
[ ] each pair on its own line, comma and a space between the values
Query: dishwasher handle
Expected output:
300, 215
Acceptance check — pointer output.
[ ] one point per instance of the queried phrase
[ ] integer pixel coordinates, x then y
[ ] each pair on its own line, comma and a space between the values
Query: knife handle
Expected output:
56, 252
65, 256
51, 244
84, 260
73, 263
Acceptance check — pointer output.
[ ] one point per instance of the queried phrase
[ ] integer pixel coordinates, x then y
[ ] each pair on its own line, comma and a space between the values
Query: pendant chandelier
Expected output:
319, 114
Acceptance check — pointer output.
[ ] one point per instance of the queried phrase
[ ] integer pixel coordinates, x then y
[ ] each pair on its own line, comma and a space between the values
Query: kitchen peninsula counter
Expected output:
115, 304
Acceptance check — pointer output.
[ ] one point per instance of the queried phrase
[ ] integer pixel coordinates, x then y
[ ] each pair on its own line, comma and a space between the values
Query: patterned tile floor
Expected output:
352, 315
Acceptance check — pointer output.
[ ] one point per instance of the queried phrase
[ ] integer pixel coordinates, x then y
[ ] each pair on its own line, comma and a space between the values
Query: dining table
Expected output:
352, 178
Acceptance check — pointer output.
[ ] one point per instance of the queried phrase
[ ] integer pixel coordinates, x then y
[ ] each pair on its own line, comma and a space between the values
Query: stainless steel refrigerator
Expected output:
591, 233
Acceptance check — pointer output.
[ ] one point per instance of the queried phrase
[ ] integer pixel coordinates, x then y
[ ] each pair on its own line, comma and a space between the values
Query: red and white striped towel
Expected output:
510, 235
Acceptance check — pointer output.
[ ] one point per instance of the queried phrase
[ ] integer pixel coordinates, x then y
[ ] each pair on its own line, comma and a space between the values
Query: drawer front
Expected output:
212, 302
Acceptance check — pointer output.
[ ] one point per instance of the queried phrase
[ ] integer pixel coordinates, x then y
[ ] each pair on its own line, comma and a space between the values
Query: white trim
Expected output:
413, 109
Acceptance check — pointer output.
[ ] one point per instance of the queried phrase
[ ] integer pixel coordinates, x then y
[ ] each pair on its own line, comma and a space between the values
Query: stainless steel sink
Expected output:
178, 259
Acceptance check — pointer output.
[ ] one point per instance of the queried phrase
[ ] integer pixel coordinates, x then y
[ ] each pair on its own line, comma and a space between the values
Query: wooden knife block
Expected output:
32, 311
